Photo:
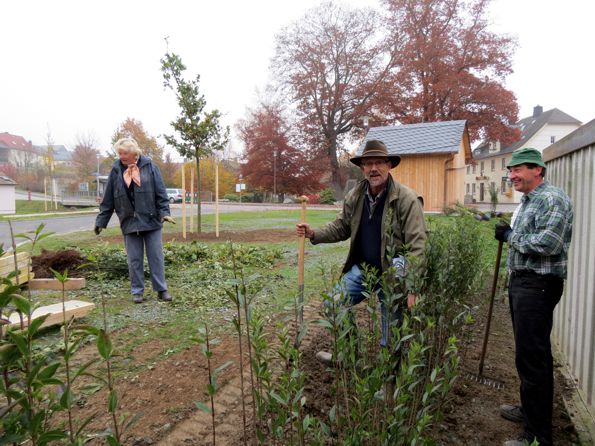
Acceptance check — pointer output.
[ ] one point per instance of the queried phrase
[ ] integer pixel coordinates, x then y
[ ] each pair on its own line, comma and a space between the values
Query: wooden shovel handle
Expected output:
302, 243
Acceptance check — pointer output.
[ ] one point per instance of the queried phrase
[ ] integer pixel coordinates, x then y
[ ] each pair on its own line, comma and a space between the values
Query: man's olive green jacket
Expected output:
402, 213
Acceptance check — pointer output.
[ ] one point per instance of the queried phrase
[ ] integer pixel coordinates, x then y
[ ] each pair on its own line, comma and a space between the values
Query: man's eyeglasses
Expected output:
370, 163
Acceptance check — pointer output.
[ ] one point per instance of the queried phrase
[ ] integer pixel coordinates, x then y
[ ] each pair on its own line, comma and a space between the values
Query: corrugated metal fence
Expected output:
571, 166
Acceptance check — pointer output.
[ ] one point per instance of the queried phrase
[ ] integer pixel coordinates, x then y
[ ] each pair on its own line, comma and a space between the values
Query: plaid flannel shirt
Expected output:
541, 232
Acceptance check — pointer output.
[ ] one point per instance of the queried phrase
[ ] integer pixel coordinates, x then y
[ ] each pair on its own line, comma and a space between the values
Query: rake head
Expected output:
484, 380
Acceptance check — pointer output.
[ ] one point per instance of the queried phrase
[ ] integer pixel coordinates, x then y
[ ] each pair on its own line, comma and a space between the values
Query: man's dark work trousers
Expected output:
532, 298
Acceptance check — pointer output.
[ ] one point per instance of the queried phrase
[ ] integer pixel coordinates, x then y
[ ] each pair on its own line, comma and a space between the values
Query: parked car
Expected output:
174, 195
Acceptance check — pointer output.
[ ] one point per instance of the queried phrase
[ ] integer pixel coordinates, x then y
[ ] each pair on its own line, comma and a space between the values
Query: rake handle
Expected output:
491, 308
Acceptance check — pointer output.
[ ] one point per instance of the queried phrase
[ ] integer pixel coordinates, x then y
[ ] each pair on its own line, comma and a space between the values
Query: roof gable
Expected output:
426, 138
529, 127
59, 151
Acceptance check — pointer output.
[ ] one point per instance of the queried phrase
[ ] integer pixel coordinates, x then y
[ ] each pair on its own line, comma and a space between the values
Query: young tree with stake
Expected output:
199, 133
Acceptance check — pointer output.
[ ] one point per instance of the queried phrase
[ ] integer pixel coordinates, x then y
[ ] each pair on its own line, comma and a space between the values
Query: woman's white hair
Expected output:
128, 145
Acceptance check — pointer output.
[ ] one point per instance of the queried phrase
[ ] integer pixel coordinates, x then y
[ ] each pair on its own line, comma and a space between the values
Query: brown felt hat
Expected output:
376, 149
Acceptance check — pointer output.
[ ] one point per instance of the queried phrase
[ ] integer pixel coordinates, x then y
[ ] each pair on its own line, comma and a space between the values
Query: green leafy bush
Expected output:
327, 196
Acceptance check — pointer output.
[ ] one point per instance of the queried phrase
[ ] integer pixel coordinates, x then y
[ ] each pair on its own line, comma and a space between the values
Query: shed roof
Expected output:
426, 138
5, 181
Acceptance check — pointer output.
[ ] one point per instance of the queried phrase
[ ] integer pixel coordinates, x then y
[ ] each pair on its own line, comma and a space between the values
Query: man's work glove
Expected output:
503, 231
168, 219
97, 230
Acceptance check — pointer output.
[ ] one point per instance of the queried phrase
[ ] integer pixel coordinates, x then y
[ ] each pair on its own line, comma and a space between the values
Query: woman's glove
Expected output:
168, 219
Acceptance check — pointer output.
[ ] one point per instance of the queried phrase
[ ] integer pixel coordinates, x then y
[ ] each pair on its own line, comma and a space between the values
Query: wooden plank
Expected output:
73, 308
23, 277
76, 283
6, 269
8, 258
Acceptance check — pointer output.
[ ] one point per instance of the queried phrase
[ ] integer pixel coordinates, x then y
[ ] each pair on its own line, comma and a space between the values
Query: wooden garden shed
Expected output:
433, 158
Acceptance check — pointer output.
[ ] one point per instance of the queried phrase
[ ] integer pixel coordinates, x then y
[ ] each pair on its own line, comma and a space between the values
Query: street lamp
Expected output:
365, 121
241, 188
275, 175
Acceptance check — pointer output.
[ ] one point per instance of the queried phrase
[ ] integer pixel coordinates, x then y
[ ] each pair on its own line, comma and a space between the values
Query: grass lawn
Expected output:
199, 288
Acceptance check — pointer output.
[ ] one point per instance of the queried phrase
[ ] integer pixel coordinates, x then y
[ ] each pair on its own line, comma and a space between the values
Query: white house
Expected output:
489, 159
7, 195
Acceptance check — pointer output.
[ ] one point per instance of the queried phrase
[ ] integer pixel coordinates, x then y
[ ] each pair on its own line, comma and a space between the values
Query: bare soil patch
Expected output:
163, 395
69, 259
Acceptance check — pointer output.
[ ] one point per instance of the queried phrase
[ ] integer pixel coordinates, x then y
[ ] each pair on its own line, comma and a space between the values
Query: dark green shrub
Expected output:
327, 196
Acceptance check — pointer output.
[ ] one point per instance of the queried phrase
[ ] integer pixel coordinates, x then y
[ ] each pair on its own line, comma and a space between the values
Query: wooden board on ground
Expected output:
76, 283
23, 277
8, 258
7, 266
7, 263
76, 308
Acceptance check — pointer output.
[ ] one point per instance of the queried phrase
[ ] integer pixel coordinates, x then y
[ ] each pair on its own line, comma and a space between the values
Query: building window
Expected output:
473, 189
503, 163
482, 168
503, 185
552, 139
493, 166
474, 168
467, 188
468, 169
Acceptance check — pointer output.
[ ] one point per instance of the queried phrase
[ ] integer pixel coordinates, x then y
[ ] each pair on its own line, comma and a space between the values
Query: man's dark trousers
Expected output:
532, 299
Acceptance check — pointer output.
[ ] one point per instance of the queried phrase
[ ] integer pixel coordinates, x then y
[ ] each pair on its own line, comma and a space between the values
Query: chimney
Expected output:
537, 110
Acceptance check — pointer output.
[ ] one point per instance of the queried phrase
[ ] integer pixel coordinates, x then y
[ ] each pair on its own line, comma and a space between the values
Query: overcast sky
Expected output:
82, 67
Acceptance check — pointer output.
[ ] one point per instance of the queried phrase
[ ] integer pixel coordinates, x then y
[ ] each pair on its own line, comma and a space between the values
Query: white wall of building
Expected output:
7, 199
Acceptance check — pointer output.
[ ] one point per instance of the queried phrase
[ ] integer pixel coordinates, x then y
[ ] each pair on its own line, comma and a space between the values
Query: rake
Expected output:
479, 377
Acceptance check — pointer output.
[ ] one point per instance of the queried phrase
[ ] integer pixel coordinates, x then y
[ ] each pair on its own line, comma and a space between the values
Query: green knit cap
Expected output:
526, 155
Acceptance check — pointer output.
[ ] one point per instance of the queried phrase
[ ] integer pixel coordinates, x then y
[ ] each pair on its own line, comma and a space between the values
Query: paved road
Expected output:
24, 195
85, 222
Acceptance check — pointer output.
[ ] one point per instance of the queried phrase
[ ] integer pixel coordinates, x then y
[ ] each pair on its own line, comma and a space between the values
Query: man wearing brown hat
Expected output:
378, 214
538, 243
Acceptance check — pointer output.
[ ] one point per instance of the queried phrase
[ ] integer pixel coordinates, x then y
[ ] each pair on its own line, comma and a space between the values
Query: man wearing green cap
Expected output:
378, 214
538, 243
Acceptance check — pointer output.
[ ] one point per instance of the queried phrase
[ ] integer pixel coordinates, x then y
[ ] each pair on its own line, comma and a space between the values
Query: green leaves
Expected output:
104, 345
199, 133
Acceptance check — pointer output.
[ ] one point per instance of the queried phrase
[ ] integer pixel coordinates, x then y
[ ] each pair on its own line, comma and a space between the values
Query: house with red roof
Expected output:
17, 151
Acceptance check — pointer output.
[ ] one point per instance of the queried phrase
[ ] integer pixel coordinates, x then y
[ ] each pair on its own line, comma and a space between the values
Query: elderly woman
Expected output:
135, 190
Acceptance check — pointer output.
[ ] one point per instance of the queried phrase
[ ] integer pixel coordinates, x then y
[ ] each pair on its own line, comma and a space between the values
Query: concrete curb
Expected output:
45, 214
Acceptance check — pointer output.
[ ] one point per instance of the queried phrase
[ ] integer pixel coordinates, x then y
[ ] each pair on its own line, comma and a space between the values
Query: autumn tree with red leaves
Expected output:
448, 66
133, 128
332, 64
271, 162
84, 157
